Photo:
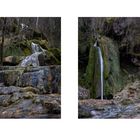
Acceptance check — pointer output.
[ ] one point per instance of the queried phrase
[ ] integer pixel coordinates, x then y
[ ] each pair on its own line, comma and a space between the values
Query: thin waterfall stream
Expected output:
101, 69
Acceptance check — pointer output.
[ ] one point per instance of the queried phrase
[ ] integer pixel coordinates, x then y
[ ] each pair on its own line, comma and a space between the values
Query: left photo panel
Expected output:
30, 67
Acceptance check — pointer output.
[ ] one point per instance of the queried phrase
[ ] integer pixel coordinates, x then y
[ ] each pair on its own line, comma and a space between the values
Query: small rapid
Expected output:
33, 58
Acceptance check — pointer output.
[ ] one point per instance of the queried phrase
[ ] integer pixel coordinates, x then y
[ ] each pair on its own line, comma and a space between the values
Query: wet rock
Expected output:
30, 105
89, 107
83, 112
41, 59
125, 104
52, 106
46, 79
35, 79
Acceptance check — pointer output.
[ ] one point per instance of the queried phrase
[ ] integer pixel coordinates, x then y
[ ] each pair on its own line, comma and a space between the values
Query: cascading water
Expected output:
101, 68
36, 48
33, 58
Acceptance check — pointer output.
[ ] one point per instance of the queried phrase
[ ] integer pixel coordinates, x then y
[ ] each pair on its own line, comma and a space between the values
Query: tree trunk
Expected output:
37, 20
2, 43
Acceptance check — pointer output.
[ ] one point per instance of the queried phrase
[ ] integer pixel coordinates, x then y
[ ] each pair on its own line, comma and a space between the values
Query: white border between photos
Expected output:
69, 127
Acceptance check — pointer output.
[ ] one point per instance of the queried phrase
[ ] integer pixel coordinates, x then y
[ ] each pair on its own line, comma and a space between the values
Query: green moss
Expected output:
27, 52
18, 49
113, 80
53, 55
105, 53
91, 67
93, 73
107, 88
22, 48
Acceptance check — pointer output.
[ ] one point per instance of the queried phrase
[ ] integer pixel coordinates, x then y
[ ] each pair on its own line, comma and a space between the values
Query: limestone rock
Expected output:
83, 93
12, 60
46, 79
16, 102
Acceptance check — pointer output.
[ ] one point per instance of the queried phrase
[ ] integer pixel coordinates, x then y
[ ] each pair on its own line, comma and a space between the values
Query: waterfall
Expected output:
33, 58
36, 48
23, 26
101, 68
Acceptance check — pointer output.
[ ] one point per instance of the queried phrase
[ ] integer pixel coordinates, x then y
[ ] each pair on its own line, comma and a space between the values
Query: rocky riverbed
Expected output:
125, 104
30, 92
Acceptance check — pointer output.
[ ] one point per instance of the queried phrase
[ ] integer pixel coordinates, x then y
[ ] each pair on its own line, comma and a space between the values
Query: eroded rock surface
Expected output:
17, 102
125, 104
31, 92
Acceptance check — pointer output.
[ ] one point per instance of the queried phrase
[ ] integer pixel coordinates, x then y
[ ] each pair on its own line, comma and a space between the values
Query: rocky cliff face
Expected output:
119, 41
30, 92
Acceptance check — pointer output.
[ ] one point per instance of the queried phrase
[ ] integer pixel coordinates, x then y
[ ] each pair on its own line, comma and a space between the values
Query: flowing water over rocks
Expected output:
33, 60
101, 69
125, 104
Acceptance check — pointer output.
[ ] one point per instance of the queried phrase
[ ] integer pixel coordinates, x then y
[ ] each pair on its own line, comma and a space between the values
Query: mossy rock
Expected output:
18, 49
113, 80
93, 72
53, 56
112, 71
23, 48
42, 42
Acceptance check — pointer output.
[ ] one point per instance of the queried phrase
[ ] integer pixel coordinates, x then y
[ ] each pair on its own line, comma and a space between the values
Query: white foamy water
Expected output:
33, 58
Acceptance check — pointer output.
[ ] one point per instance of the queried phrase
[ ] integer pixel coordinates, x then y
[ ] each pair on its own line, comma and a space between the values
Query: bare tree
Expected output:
2, 42
37, 20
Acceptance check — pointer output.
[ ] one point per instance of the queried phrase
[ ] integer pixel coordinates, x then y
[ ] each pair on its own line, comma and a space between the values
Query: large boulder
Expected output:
46, 79
83, 93
112, 73
12, 60
19, 102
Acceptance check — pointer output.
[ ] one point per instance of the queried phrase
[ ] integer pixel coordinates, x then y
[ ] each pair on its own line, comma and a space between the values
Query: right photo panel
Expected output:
109, 67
